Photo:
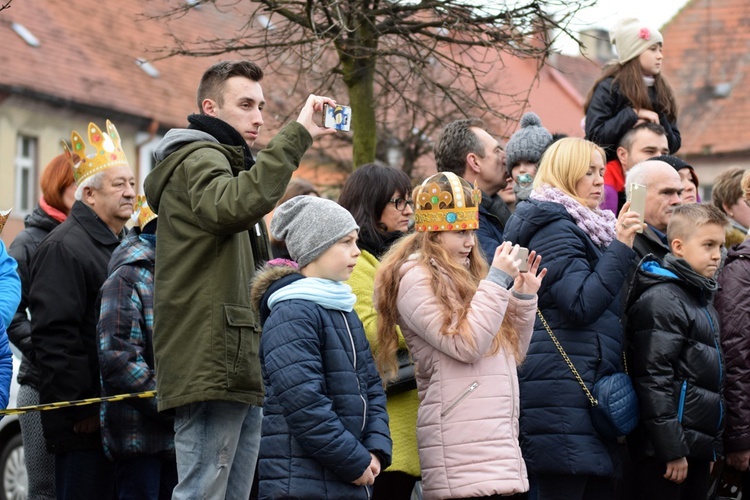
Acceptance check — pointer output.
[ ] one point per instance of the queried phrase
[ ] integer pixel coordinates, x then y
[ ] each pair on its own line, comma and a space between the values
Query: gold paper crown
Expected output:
143, 213
3, 218
449, 210
108, 153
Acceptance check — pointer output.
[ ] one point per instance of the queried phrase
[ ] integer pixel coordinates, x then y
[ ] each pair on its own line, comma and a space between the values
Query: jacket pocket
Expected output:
459, 399
241, 344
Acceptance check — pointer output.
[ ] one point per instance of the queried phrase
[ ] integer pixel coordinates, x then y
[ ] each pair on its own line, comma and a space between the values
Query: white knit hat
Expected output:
631, 37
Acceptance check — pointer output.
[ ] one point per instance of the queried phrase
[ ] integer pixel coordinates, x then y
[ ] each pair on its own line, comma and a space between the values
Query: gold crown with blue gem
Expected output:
108, 152
446, 202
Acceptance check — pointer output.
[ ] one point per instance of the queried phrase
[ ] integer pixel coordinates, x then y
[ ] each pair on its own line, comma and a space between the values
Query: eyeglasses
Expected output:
401, 203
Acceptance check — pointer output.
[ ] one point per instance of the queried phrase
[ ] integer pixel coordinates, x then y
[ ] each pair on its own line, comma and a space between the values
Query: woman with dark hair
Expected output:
379, 199
58, 196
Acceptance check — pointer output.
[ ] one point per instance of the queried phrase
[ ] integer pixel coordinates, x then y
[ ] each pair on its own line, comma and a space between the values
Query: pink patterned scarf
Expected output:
598, 224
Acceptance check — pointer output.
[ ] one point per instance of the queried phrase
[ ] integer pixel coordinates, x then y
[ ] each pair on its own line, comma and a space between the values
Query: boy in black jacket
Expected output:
675, 359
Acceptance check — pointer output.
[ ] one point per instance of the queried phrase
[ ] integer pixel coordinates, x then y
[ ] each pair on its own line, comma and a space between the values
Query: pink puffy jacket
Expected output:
467, 423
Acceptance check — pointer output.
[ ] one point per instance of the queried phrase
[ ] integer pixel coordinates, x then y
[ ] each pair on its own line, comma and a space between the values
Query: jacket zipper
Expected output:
721, 366
681, 406
457, 401
354, 362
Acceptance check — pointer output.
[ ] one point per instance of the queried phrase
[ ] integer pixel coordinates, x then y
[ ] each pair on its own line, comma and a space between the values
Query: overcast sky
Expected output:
606, 13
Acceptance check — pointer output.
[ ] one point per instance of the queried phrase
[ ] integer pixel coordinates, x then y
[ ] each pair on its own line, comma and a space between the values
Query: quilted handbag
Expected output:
614, 404
616, 413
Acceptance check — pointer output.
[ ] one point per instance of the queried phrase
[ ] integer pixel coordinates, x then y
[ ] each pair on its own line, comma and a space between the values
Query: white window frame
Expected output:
26, 167
146, 147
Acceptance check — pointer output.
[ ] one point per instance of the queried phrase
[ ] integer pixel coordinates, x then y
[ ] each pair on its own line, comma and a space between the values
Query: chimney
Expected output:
596, 45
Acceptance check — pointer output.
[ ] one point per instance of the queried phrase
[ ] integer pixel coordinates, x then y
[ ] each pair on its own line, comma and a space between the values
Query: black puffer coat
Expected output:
610, 115
733, 304
38, 225
675, 362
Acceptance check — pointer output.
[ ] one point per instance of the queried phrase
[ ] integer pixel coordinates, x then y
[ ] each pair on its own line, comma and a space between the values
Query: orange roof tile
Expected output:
707, 46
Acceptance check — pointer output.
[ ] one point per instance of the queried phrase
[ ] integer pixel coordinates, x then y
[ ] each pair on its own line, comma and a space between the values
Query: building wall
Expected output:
49, 125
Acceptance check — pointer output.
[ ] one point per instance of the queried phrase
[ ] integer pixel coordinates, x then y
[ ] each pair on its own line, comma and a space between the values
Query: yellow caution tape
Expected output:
80, 402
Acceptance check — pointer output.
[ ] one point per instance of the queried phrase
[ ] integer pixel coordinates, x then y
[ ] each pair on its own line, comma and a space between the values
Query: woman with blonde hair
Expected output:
466, 332
587, 254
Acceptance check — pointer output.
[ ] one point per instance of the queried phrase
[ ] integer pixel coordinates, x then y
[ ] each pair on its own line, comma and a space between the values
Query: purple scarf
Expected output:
598, 224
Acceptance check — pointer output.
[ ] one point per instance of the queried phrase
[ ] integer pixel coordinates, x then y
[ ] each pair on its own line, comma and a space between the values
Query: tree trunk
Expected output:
358, 68
360, 83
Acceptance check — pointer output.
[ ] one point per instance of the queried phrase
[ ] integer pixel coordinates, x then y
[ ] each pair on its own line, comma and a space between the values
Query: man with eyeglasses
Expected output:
469, 151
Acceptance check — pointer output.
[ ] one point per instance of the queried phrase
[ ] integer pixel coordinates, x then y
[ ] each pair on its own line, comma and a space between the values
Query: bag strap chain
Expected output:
591, 397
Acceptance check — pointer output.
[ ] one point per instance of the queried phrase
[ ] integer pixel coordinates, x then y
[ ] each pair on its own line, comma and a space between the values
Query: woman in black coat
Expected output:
587, 256
58, 196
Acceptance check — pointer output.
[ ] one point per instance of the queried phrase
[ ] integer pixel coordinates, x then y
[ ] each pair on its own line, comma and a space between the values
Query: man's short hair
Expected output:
746, 184
456, 141
95, 182
214, 79
627, 140
727, 188
687, 218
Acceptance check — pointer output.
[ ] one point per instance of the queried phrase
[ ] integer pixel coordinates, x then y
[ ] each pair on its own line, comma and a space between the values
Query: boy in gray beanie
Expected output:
309, 225
325, 426
523, 152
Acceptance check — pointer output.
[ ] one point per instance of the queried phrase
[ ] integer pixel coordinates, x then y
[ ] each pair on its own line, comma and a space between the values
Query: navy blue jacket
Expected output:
580, 299
324, 411
493, 215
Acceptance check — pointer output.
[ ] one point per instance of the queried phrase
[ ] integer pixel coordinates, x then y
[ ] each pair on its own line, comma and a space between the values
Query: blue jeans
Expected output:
217, 447
82, 475
148, 477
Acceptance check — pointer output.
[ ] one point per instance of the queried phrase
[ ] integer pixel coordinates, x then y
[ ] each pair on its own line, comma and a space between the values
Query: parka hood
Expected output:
651, 271
738, 252
176, 145
136, 250
532, 215
39, 218
270, 278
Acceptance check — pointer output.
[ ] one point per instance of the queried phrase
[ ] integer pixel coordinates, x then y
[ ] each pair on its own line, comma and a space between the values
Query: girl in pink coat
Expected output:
467, 330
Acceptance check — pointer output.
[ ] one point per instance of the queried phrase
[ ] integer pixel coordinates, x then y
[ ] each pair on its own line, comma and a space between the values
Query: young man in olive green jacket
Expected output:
211, 196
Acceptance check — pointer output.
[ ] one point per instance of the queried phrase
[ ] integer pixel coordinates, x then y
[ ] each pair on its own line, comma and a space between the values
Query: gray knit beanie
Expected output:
528, 143
632, 37
309, 225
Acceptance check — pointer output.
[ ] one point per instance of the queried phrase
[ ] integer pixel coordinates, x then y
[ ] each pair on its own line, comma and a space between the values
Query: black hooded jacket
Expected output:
675, 361
38, 225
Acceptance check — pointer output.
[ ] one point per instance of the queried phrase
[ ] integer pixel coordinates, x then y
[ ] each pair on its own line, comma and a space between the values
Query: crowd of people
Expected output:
439, 342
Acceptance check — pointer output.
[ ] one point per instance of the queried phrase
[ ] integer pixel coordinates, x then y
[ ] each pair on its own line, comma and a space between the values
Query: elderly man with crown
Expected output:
67, 272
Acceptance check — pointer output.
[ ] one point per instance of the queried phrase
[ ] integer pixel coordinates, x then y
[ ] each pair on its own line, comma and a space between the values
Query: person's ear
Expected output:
677, 246
88, 195
622, 155
472, 162
208, 106
727, 209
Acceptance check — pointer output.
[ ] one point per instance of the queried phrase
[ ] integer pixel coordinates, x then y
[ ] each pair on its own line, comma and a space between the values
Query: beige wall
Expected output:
49, 125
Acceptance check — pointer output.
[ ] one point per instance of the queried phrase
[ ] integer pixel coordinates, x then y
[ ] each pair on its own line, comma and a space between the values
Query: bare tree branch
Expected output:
406, 66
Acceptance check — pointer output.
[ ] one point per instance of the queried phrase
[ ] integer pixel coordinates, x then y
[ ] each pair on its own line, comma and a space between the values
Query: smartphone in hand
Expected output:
637, 197
523, 254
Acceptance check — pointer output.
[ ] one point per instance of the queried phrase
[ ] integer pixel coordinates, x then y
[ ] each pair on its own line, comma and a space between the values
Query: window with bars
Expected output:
26, 174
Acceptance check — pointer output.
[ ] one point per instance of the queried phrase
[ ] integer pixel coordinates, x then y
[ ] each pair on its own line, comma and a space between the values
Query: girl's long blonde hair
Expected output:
453, 286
